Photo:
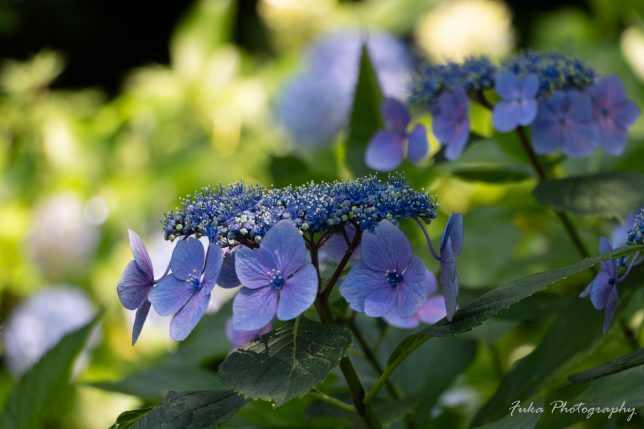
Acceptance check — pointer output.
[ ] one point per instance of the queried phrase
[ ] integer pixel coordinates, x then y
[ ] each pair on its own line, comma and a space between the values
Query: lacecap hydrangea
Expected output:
272, 241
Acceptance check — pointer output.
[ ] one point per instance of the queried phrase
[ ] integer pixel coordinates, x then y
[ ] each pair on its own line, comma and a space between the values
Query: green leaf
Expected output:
491, 173
189, 410
365, 115
526, 420
621, 363
604, 194
285, 363
36, 394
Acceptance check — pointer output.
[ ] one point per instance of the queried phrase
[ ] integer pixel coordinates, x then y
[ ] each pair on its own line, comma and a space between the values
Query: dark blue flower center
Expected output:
612, 281
393, 277
278, 280
605, 111
195, 281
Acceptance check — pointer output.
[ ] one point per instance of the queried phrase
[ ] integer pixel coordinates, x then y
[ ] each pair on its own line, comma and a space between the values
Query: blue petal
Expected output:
412, 290
385, 151
433, 310
609, 311
394, 319
456, 144
530, 86
626, 113
187, 318
380, 300
387, 248
254, 308
507, 84
139, 320
238, 337
580, 107
417, 144
187, 259
613, 138
134, 286
453, 231
287, 245
581, 139
505, 116
335, 247
170, 295
359, 283
547, 134
214, 261
140, 254
600, 289
526, 112
449, 280
227, 277
395, 115
253, 266
298, 293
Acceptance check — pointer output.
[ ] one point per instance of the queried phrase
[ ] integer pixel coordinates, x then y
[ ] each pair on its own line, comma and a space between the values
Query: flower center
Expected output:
612, 281
605, 111
194, 281
278, 280
393, 277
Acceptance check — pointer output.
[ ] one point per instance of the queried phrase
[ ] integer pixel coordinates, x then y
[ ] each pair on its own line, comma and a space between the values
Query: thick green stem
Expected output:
321, 396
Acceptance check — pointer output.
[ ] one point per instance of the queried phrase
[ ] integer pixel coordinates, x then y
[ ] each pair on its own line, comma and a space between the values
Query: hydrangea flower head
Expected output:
136, 283
387, 148
636, 233
613, 113
431, 311
186, 292
387, 277
238, 338
276, 278
451, 124
451, 245
565, 121
518, 104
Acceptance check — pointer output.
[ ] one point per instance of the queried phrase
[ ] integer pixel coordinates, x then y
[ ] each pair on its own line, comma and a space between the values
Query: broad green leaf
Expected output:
489, 304
604, 194
491, 173
621, 363
36, 394
287, 362
189, 410
518, 420
365, 115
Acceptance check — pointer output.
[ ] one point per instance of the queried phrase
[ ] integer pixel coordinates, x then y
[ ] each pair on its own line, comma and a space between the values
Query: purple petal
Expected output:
139, 320
505, 116
385, 151
610, 266
608, 92
134, 286
580, 107
187, 259
386, 248
380, 300
526, 112
214, 261
254, 308
626, 113
604, 245
298, 293
238, 338
140, 253
286, 243
609, 311
417, 144
412, 290
530, 86
600, 289
547, 135
456, 144
359, 283
336, 246
580, 139
612, 136
170, 295
432, 283
453, 104
453, 231
449, 280
187, 318
253, 266
227, 277
395, 114
507, 84
394, 319
433, 310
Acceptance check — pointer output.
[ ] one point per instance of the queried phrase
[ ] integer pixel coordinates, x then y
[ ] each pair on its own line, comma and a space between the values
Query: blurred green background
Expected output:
109, 112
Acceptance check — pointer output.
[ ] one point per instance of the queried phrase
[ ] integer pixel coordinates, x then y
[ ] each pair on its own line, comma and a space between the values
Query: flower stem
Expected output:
321, 396
343, 263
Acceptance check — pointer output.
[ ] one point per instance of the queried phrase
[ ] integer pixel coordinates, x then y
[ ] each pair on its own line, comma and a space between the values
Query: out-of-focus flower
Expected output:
451, 245
388, 147
456, 29
565, 121
518, 104
315, 105
613, 114
636, 233
431, 312
387, 277
632, 45
186, 292
238, 337
37, 324
451, 124
335, 247
276, 279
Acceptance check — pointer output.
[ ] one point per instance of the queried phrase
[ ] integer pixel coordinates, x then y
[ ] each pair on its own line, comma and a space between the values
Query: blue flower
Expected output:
451, 245
636, 233
186, 292
430, 312
565, 121
387, 147
276, 279
136, 283
227, 276
387, 277
518, 105
238, 338
451, 124
613, 113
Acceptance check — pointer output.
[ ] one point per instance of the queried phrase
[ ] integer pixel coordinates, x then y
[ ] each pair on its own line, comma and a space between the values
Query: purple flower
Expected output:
518, 104
386, 149
451, 245
565, 120
603, 288
613, 113
136, 283
276, 279
238, 338
227, 276
431, 311
387, 277
451, 124
186, 292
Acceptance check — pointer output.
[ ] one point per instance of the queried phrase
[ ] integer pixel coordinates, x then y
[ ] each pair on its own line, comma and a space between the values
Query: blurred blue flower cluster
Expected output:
636, 233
